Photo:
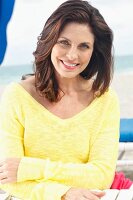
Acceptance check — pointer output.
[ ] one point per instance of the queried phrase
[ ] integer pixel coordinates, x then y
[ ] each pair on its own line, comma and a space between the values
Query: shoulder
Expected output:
16, 90
9, 90
110, 95
108, 101
111, 101
29, 85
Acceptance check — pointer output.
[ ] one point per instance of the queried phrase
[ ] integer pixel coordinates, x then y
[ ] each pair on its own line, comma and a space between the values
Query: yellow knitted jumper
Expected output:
56, 153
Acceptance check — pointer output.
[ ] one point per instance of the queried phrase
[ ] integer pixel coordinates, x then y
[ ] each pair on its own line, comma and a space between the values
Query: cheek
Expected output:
53, 55
86, 57
57, 52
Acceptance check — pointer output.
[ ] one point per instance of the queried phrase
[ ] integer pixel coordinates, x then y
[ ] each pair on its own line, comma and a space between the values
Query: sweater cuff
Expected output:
49, 190
31, 169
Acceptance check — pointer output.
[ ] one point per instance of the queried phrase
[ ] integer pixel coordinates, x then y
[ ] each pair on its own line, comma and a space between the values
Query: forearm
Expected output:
91, 175
31, 190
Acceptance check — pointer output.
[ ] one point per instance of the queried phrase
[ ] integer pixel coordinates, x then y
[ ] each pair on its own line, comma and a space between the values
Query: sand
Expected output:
123, 85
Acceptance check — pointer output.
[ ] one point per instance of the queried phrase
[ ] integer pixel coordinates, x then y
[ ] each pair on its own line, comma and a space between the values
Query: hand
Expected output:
8, 170
82, 194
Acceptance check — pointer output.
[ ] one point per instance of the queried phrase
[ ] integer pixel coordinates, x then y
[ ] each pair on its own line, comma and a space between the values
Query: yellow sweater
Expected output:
57, 154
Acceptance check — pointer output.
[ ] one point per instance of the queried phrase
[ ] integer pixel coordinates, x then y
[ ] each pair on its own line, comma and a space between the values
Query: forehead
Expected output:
77, 32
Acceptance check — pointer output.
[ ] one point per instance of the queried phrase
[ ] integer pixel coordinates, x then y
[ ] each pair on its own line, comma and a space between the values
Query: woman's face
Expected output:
73, 50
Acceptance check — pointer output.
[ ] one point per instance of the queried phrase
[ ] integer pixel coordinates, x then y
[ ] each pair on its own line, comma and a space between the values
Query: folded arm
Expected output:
96, 173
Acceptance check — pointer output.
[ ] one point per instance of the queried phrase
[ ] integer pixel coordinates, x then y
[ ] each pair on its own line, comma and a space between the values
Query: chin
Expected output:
67, 75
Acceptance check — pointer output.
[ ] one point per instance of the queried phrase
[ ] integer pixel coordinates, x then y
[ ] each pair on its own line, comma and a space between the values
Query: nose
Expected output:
72, 54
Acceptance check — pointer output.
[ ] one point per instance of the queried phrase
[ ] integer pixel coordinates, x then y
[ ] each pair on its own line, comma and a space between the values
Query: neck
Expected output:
69, 85
73, 85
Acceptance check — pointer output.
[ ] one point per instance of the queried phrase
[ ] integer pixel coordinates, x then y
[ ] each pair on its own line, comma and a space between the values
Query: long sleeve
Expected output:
38, 164
97, 173
12, 145
31, 190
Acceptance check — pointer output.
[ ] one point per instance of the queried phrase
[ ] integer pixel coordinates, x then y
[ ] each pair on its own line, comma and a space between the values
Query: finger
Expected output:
3, 175
1, 164
82, 198
2, 161
1, 169
99, 193
91, 196
3, 181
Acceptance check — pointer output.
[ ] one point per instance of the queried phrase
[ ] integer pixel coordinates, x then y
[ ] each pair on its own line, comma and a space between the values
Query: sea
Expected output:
122, 64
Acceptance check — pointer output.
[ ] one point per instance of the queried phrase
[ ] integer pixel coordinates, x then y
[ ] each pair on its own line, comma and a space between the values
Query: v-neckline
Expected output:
52, 115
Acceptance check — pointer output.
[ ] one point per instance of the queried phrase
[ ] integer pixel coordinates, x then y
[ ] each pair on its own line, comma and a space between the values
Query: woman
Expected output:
59, 128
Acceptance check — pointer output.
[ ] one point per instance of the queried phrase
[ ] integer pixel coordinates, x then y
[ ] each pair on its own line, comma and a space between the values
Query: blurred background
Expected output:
29, 17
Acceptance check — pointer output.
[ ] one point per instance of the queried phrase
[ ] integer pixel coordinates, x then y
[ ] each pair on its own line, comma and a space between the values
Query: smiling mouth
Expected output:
69, 65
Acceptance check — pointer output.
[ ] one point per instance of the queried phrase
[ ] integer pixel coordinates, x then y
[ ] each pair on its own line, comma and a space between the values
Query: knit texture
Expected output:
56, 153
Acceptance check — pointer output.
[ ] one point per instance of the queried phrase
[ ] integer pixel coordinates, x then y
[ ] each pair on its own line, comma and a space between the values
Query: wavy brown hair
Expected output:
101, 63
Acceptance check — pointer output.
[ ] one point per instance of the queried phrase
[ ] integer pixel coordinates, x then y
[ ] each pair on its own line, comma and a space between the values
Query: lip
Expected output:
68, 66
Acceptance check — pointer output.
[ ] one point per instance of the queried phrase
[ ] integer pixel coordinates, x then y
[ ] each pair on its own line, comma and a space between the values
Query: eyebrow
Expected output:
70, 40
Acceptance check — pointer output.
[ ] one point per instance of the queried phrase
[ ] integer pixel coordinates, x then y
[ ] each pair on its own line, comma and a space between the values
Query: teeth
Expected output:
68, 64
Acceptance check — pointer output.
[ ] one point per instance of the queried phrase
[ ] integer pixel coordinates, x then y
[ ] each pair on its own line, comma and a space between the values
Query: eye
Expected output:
84, 46
63, 42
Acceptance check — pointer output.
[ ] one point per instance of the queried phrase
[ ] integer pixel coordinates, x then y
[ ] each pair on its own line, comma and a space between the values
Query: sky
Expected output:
29, 17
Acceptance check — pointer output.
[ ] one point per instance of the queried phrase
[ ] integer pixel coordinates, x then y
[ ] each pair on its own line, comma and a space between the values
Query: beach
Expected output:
123, 85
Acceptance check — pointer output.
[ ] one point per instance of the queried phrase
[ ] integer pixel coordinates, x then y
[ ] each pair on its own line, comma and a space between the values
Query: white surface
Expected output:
126, 146
110, 195
124, 163
125, 195
118, 195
